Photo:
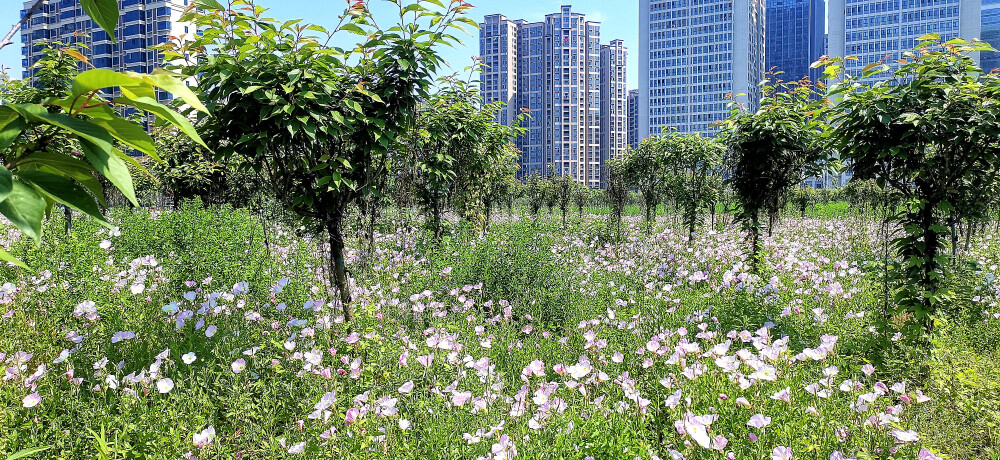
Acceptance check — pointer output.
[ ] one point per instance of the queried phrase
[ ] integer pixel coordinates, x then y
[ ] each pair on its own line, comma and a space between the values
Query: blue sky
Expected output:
619, 20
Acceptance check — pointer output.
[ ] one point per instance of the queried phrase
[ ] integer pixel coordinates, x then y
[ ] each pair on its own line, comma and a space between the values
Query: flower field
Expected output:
198, 333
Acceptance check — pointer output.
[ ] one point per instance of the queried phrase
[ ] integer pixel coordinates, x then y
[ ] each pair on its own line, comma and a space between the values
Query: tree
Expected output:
316, 122
644, 169
770, 150
58, 139
561, 191
693, 160
616, 195
535, 193
931, 133
581, 195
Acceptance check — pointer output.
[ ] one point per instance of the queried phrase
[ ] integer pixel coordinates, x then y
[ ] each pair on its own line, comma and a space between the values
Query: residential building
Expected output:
991, 34
694, 54
633, 118
881, 30
613, 114
143, 23
558, 71
795, 38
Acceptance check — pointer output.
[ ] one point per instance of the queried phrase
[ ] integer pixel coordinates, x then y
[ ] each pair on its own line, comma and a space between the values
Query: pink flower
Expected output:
239, 365
460, 398
504, 449
426, 360
759, 421
783, 395
203, 439
905, 436
31, 400
407, 387
781, 453
352, 415
925, 454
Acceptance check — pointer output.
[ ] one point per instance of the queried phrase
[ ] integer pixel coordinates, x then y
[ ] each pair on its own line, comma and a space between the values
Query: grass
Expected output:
554, 342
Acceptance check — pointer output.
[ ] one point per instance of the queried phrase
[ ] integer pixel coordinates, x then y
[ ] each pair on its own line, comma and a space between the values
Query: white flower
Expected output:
31, 400
205, 437
239, 365
164, 385
189, 358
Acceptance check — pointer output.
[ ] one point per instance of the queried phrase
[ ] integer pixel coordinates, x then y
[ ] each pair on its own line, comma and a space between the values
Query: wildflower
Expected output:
31, 400
460, 398
905, 436
783, 395
205, 438
404, 424
426, 360
239, 365
164, 385
210, 331
188, 358
926, 454
759, 421
406, 387
504, 449
352, 415
697, 431
781, 453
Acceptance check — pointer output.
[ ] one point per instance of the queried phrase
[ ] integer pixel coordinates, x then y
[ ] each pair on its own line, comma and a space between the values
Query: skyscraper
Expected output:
633, 118
143, 23
879, 30
795, 38
991, 34
558, 71
614, 104
692, 54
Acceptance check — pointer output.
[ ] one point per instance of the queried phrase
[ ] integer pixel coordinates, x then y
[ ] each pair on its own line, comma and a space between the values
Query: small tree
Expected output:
581, 195
931, 133
645, 169
770, 150
562, 190
317, 123
616, 195
693, 160
535, 193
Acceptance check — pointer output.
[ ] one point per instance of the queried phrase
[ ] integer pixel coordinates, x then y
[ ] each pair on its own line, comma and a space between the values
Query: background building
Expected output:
633, 118
558, 71
875, 30
991, 34
143, 23
692, 54
795, 38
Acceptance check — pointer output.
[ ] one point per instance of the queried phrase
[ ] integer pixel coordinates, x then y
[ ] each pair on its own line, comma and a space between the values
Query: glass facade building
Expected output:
795, 38
991, 33
143, 23
881, 30
694, 54
633, 118
572, 86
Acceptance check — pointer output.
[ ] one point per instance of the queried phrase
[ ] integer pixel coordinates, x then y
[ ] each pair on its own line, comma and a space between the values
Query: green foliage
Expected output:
57, 140
645, 169
318, 123
770, 150
694, 163
189, 170
930, 133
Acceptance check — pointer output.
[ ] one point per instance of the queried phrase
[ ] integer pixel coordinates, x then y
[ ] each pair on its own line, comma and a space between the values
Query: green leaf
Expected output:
7, 257
104, 13
174, 84
11, 126
24, 207
106, 162
353, 28
82, 128
65, 191
150, 105
6, 183
67, 166
95, 79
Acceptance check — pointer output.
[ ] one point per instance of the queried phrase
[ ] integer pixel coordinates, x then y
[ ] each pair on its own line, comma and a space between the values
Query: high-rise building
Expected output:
692, 55
143, 23
991, 34
614, 104
633, 118
795, 38
879, 30
558, 71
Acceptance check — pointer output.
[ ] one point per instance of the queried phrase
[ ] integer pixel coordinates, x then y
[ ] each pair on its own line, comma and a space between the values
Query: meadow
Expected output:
205, 333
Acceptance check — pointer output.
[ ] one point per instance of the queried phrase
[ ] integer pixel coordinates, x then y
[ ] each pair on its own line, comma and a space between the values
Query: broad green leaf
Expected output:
210, 4
65, 191
106, 162
82, 128
95, 79
150, 105
104, 13
66, 165
11, 126
25, 207
127, 132
174, 84
7, 257
6, 182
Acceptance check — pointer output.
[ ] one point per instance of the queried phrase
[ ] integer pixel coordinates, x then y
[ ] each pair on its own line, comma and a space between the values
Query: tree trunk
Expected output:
338, 268
69, 219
